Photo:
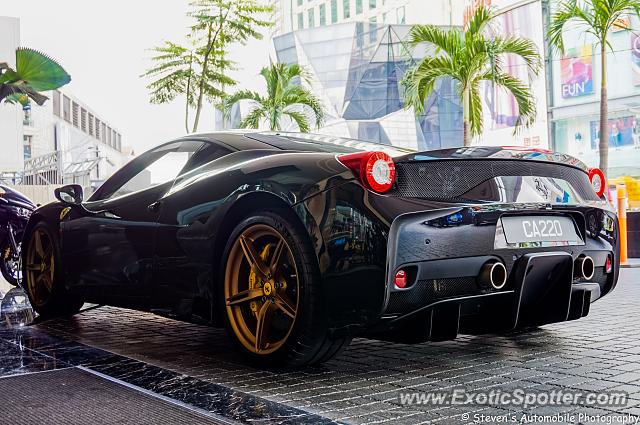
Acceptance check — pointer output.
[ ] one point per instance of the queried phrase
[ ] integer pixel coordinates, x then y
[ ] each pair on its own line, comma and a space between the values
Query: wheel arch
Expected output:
249, 203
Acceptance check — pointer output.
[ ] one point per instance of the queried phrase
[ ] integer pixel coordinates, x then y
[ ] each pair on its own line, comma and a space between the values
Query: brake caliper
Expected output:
7, 253
255, 281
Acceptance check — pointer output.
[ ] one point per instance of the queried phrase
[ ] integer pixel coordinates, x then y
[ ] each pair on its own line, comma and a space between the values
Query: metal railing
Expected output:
49, 170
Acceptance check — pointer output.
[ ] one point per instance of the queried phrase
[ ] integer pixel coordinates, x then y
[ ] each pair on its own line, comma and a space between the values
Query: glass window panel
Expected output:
334, 11
401, 15
299, 2
373, 29
359, 34
346, 9
323, 14
372, 4
358, 7
300, 20
311, 18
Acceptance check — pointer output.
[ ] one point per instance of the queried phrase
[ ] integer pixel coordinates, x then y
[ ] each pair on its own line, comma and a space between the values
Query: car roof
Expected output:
300, 142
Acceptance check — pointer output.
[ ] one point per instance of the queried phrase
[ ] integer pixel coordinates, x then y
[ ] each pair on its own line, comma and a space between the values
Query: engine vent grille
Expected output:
427, 291
452, 179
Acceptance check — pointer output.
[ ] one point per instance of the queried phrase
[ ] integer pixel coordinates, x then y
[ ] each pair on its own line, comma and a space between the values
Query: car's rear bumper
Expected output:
444, 250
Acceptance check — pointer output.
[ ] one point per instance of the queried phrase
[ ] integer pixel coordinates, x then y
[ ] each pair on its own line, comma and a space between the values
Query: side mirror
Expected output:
69, 194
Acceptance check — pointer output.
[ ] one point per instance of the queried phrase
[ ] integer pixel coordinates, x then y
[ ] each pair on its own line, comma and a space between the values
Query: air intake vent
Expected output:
452, 179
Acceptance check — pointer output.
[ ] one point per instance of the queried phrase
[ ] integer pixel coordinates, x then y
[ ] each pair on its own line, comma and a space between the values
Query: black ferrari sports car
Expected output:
297, 243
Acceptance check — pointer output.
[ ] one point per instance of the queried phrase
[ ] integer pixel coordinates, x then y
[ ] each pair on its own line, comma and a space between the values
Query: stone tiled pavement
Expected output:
600, 352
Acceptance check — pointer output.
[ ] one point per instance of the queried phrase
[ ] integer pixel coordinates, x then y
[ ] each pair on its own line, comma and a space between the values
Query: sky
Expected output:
104, 46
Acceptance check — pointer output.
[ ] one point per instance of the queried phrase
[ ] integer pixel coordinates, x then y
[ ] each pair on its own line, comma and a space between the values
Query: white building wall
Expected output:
10, 115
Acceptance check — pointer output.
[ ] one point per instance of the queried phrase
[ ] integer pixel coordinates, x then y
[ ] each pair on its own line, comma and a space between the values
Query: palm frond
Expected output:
522, 47
40, 71
447, 41
475, 109
480, 19
420, 81
253, 118
521, 93
300, 119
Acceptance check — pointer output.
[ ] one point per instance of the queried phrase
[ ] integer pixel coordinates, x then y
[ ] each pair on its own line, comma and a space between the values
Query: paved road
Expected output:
600, 352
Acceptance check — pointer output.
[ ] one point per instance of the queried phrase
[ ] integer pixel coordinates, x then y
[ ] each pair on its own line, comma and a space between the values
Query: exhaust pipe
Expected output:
493, 274
584, 268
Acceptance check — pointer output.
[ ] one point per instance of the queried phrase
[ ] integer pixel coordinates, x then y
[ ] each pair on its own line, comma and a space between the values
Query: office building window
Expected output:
27, 143
299, 2
372, 4
311, 18
75, 114
359, 34
97, 129
334, 11
83, 119
373, 33
401, 16
27, 119
66, 109
300, 21
104, 133
119, 142
56, 103
91, 132
323, 14
358, 7
346, 9
384, 18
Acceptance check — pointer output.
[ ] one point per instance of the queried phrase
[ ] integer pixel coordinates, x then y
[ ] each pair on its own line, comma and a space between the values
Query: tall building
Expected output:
575, 107
292, 15
356, 69
517, 18
357, 53
62, 141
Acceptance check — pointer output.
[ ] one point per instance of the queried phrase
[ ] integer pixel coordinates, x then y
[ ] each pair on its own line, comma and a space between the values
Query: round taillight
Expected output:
401, 279
596, 176
379, 171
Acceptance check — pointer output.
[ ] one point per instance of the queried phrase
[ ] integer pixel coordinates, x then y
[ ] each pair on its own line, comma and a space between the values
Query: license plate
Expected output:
540, 231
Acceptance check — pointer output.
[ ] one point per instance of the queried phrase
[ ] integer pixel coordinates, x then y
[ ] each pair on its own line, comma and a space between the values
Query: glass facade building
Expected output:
357, 68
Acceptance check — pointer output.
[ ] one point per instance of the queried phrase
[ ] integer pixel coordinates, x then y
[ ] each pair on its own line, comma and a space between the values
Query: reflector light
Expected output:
596, 177
375, 170
401, 279
608, 265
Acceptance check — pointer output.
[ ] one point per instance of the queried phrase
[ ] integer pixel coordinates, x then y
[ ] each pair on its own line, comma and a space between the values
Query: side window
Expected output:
209, 152
152, 168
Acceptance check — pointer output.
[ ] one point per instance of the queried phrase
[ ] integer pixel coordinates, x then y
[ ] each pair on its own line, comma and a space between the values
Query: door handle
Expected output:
154, 207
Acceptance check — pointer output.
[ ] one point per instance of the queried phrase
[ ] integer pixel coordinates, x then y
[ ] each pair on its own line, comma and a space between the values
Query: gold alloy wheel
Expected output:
40, 267
261, 289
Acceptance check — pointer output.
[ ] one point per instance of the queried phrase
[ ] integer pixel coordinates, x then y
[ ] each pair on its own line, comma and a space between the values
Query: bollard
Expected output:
622, 220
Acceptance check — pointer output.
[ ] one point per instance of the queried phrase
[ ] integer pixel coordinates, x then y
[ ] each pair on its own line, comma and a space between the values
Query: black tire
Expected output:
309, 341
60, 301
4, 267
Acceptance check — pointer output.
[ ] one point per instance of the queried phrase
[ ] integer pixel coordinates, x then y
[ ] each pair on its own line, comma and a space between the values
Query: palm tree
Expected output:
285, 98
595, 17
200, 71
469, 57
34, 72
174, 67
